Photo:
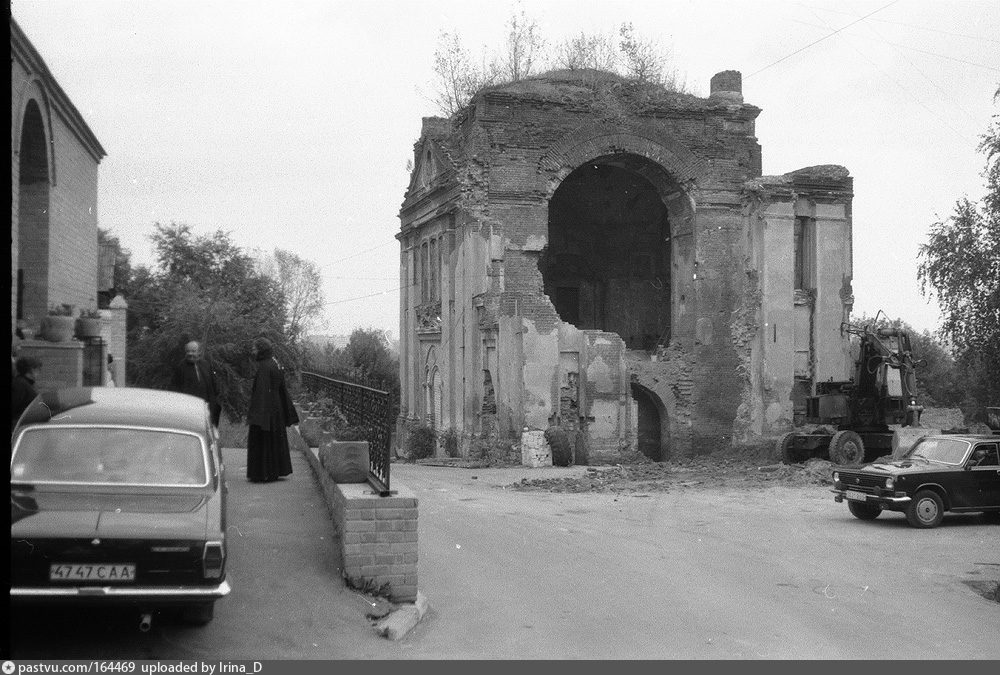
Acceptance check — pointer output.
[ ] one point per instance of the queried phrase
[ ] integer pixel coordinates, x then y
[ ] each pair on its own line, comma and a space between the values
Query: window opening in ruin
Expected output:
433, 271
607, 263
424, 262
805, 252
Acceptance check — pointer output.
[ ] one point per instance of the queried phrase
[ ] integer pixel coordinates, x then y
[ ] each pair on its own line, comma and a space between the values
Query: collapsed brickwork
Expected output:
586, 252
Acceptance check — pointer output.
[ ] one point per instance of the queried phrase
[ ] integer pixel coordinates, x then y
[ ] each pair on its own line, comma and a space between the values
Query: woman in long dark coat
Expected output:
271, 411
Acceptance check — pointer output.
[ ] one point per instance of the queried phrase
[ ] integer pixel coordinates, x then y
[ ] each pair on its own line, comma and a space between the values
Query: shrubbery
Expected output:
421, 442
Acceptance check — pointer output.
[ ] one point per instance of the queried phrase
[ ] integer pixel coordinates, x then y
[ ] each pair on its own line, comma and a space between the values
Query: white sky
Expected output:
289, 124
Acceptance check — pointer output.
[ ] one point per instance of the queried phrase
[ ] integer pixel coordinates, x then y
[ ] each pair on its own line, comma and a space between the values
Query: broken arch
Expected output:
607, 265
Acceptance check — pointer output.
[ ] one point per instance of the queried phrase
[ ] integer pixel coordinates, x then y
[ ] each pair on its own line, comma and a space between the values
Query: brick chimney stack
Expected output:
727, 85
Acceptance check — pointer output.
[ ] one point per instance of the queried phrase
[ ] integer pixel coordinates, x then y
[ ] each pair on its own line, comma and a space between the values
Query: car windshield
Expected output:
943, 450
98, 455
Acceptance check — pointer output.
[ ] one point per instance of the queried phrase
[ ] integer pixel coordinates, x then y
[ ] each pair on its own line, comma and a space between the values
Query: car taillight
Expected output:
213, 560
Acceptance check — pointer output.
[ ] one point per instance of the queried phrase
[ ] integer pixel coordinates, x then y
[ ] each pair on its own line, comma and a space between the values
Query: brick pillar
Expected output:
113, 331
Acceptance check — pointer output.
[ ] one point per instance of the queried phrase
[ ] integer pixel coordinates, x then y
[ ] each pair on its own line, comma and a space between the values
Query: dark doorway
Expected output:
650, 424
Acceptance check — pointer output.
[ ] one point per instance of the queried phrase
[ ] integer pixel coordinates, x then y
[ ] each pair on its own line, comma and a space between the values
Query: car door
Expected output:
986, 475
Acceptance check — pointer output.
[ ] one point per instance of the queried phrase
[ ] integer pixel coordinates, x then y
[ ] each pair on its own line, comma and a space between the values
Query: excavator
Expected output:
881, 393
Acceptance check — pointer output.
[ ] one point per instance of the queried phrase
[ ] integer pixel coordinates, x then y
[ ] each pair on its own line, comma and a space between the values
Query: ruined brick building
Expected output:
586, 252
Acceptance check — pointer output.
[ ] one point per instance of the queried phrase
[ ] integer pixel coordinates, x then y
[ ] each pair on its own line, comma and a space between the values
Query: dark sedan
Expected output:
118, 496
938, 474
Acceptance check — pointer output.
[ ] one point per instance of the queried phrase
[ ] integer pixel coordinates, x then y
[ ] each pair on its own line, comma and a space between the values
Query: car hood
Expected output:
901, 467
54, 513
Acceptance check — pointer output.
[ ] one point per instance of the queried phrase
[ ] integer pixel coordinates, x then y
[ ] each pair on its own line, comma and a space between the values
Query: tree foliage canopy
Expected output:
203, 288
960, 265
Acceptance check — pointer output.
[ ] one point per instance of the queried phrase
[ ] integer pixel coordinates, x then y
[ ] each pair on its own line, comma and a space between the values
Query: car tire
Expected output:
846, 447
864, 511
199, 614
925, 510
787, 450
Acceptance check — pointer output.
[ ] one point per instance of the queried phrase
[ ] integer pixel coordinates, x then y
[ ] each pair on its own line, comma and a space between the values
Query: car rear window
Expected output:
118, 456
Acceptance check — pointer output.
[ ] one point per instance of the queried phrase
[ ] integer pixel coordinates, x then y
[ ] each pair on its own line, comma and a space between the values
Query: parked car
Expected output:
118, 496
938, 474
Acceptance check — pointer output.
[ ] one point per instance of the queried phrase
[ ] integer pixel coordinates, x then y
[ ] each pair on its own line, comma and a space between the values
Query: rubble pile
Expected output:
702, 472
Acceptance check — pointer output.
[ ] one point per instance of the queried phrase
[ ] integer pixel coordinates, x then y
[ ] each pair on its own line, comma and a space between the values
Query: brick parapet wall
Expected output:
378, 534
62, 363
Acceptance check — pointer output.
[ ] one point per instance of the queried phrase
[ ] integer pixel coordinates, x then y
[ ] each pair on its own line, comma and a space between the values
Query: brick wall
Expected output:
54, 222
378, 534
62, 363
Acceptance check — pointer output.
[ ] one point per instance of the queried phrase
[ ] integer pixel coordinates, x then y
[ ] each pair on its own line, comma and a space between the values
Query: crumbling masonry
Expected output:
585, 252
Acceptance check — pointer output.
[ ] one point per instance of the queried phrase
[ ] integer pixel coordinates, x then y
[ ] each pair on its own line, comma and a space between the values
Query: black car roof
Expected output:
132, 406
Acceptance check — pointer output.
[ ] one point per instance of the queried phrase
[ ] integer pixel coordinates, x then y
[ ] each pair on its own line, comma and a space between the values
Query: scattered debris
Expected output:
708, 471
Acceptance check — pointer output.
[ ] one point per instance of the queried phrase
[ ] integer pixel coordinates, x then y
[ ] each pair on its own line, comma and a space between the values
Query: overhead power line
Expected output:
815, 42
909, 25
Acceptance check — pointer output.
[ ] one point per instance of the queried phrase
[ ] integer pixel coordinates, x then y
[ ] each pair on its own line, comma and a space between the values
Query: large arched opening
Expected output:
33, 217
607, 265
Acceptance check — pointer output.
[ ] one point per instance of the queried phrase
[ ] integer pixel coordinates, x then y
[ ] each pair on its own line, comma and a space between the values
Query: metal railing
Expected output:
364, 407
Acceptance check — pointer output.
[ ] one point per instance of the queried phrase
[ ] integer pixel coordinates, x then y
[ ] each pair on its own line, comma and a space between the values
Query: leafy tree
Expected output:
368, 353
366, 359
960, 264
524, 47
300, 283
206, 289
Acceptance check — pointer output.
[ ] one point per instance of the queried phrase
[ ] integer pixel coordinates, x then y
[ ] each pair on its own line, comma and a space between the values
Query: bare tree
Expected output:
524, 48
598, 52
643, 57
457, 79
300, 283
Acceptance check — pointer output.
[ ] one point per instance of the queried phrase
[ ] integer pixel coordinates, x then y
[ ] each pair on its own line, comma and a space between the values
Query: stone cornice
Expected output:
29, 58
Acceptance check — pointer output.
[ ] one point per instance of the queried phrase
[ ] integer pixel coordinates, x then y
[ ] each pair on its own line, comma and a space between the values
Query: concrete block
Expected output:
399, 623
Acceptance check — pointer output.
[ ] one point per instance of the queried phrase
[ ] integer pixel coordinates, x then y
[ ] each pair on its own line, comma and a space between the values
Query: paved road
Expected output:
693, 574
701, 574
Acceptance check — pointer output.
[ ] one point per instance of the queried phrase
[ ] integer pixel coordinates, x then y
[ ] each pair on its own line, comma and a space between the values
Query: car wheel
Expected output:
846, 448
787, 450
198, 615
925, 510
864, 511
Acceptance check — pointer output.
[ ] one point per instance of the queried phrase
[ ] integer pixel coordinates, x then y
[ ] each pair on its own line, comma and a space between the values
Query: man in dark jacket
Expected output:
194, 376
22, 387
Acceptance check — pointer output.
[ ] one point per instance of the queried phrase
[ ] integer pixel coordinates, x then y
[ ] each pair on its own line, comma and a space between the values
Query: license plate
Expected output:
103, 573
856, 496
